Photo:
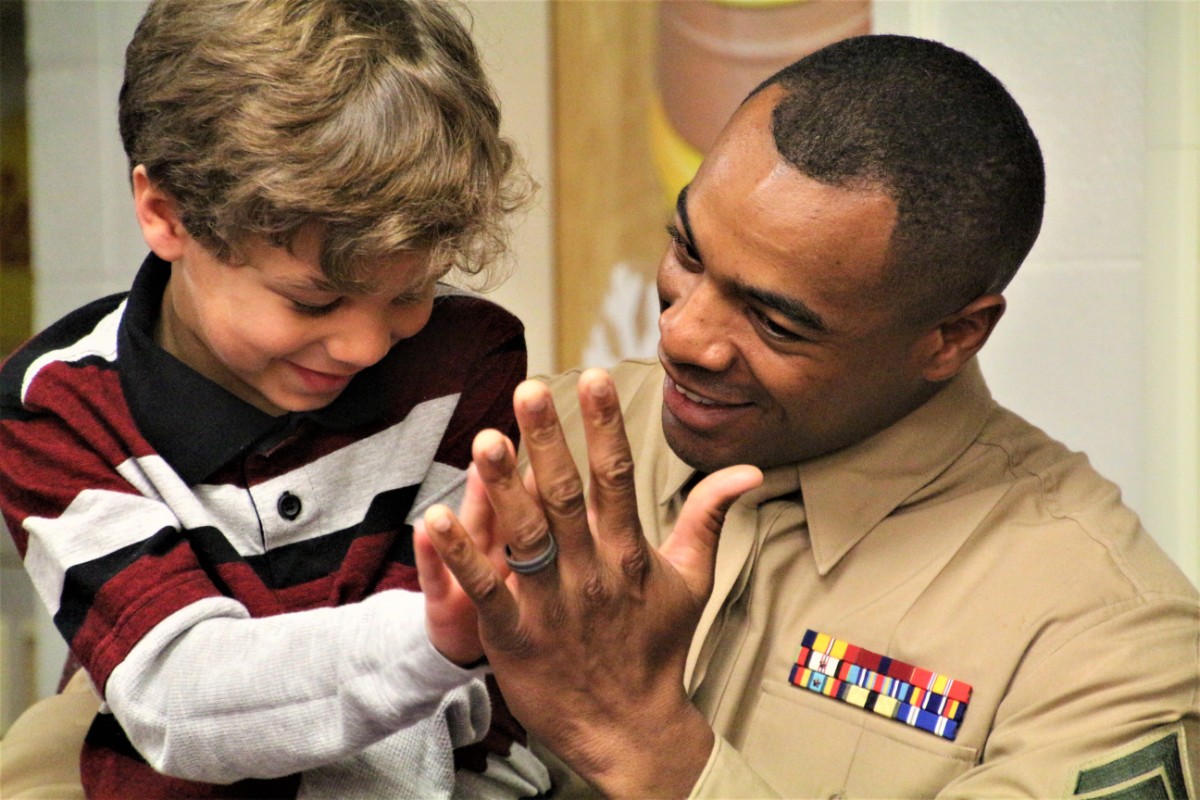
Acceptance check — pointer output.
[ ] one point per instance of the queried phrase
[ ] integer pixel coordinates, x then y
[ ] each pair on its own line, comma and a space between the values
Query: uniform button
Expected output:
289, 506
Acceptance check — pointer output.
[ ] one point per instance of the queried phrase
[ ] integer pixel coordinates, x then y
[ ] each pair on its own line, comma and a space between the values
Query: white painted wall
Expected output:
1171, 357
515, 38
1099, 345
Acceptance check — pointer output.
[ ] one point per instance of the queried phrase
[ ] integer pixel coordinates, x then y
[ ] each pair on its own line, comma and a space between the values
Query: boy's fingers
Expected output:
431, 572
497, 607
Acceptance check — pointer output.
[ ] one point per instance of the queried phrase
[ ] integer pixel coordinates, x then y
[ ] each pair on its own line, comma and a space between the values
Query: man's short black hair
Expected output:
942, 136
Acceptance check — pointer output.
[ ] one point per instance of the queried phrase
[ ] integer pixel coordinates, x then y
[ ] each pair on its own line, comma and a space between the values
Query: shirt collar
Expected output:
196, 425
847, 493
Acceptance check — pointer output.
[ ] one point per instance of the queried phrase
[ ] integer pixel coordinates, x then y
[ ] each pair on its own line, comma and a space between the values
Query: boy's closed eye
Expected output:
313, 309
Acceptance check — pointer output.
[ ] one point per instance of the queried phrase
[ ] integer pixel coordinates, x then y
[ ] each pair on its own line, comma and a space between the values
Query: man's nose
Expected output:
695, 329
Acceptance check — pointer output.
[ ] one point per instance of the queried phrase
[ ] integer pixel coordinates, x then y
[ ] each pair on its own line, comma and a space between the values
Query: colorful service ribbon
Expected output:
891, 688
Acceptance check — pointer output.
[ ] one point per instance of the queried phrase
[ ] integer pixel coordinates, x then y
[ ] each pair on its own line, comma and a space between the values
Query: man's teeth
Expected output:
695, 398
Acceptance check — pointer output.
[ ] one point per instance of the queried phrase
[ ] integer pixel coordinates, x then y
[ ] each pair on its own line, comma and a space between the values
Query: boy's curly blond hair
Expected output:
372, 119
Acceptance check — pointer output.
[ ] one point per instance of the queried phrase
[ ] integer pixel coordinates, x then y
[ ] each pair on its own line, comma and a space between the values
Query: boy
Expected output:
211, 478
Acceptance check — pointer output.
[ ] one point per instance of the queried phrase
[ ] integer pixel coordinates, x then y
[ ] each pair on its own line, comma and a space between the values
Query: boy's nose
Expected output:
360, 342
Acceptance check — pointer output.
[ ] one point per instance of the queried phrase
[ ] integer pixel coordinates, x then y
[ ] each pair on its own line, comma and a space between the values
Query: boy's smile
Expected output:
271, 331
322, 381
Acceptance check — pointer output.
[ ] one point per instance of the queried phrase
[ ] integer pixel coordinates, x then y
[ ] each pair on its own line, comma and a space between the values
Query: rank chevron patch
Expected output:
915, 696
1154, 766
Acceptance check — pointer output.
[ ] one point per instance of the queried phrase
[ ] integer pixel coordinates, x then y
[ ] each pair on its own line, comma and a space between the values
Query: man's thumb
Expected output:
692, 546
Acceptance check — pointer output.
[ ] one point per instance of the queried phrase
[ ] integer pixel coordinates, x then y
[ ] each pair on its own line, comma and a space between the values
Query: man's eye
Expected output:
774, 330
683, 248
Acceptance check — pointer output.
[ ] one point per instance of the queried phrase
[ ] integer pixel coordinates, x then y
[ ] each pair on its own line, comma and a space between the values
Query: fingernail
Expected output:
536, 404
496, 452
599, 389
440, 522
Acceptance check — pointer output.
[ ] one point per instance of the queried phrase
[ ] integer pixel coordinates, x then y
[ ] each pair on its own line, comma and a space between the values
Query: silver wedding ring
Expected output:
535, 564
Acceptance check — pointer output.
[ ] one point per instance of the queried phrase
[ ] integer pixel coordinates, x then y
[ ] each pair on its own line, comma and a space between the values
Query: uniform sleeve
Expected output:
1109, 711
727, 775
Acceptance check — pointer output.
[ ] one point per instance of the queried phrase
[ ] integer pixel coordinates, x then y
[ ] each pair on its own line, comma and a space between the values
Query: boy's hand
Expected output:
450, 618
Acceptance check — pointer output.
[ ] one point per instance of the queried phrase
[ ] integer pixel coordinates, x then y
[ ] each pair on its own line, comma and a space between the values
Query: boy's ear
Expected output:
158, 217
956, 338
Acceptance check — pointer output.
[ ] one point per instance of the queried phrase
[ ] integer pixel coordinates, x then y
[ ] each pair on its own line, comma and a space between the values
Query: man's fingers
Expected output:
518, 518
692, 545
479, 580
476, 515
613, 499
555, 482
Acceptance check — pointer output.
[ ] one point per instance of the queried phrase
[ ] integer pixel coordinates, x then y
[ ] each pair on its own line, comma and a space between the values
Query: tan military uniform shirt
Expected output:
962, 541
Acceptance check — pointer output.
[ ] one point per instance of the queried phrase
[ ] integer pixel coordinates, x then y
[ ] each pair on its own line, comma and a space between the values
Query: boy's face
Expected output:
271, 331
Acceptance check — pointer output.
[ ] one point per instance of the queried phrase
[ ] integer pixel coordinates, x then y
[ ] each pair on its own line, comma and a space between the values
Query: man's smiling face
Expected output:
778, 336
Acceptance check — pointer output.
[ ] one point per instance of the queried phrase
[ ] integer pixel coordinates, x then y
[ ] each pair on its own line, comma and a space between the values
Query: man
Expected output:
925, 595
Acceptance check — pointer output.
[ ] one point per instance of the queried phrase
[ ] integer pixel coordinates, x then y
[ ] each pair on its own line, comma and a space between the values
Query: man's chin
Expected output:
698, 453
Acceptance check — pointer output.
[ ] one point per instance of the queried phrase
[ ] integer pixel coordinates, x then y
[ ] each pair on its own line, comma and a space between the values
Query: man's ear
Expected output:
958, 337
158, 217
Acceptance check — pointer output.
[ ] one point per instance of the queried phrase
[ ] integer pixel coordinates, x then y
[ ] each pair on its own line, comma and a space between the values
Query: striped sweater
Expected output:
240, 587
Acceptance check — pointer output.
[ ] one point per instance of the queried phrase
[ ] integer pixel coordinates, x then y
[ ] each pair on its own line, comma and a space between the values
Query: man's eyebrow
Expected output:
681, 212
790, 307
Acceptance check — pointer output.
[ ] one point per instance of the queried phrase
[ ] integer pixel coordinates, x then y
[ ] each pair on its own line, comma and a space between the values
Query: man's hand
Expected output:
589, 652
